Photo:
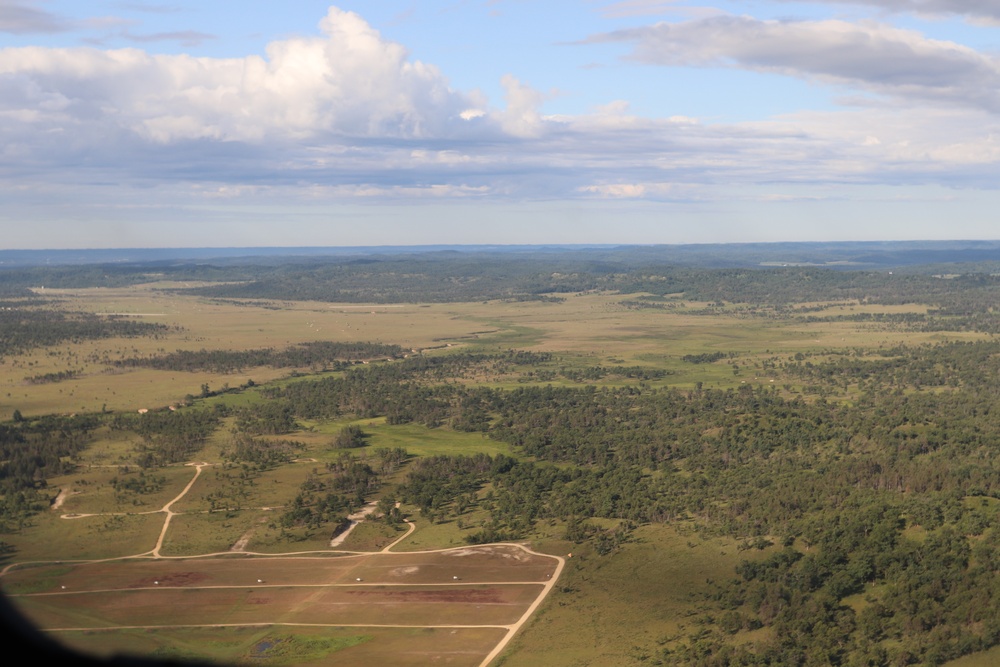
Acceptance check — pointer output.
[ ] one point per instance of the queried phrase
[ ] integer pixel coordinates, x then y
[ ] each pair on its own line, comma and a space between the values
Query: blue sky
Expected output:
175, 123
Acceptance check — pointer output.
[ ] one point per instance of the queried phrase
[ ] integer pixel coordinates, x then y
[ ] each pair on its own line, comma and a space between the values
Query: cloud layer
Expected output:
871, 56
348, 115
974, 8
21, 19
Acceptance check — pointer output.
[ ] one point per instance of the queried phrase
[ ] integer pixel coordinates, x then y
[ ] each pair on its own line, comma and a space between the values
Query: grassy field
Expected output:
594, 326
276, 645
103, 536
618, 610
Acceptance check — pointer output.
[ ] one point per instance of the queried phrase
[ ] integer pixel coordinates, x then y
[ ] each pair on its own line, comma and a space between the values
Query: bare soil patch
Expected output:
173, 579
476, 596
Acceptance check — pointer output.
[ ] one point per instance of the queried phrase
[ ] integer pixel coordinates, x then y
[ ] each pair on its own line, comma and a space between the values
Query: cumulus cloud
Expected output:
521, 117
350, 81
348, 115
875, 57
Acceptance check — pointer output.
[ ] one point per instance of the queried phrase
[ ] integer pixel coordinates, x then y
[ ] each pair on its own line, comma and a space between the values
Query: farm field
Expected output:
480, 591
233, 514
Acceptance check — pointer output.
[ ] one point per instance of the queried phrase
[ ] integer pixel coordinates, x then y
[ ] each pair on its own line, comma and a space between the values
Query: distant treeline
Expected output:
23, 329
319, 354
475, 276
49, 378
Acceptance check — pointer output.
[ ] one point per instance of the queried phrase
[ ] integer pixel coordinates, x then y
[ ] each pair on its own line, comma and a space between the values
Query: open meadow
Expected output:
589, 328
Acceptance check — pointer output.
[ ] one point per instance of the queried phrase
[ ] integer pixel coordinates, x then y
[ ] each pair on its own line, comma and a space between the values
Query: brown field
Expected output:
477, 592
465, 605
486, 564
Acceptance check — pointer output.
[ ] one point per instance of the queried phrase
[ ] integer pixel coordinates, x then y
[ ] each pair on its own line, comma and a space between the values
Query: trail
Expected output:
354, 520
170, 513
513, 629
61, 498
268, 625
410, 528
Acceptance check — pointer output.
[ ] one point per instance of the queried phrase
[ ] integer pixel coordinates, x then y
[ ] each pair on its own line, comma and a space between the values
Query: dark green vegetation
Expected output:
319, 355
942, 275
862, 484
24, 326
30, 451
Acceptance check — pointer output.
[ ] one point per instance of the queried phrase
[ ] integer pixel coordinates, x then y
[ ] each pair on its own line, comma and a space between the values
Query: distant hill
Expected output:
841, 255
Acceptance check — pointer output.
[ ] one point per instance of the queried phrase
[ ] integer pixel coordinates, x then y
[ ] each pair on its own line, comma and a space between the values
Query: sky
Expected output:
174, 123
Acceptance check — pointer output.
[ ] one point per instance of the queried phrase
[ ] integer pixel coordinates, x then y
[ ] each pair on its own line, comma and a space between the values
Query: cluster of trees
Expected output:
327, 499
131, 486
167, 437
23, 329
971, 365
32, 450
268, 418
349, 437
324, 355
262, 454
49, 378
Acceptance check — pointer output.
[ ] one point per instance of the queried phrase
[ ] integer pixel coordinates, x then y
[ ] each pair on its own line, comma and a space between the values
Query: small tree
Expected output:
350, 437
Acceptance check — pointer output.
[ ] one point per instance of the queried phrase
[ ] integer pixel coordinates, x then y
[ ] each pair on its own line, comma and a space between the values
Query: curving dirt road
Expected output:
511, 630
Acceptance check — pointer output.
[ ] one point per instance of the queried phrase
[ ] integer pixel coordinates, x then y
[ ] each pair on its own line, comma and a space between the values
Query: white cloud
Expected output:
349, 116
349, 82
521, 118
646, 190
875, 57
